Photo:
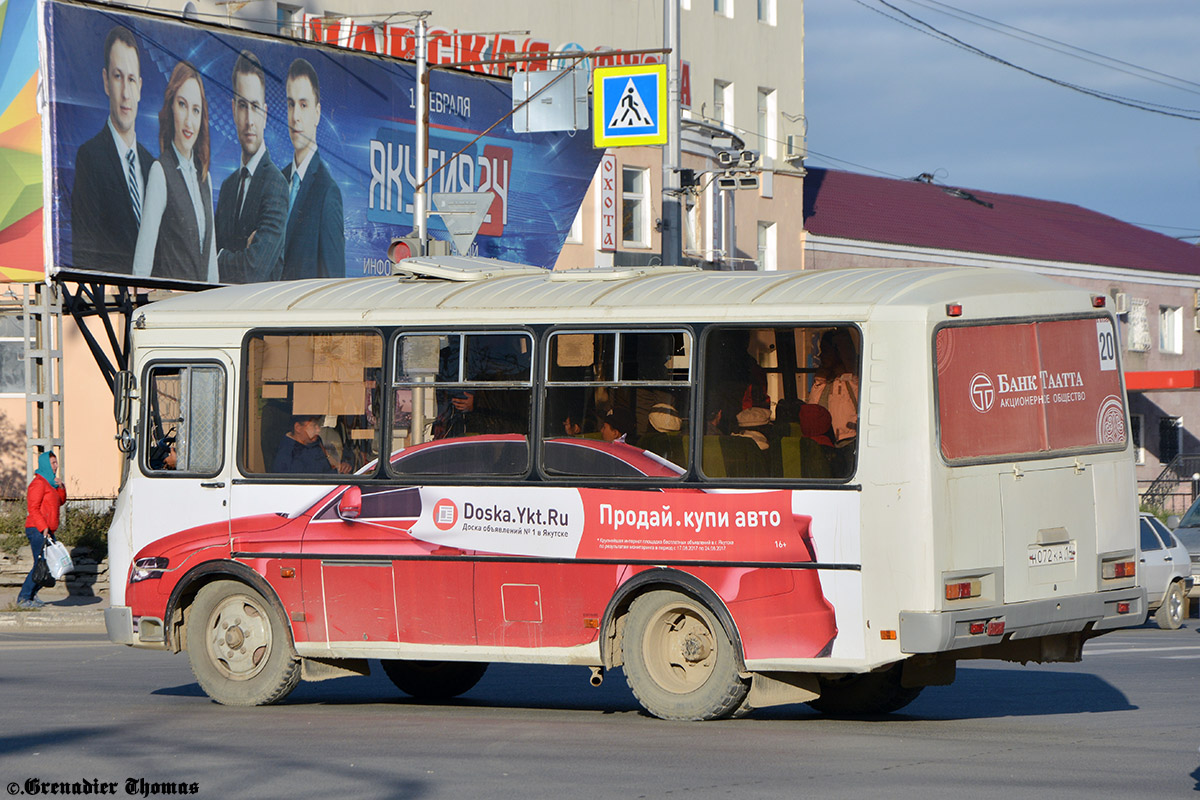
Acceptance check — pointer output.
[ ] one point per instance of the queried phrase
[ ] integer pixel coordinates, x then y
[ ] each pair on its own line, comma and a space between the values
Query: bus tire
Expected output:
1172, 611
868, 694
679, 661
434, 680
240, 647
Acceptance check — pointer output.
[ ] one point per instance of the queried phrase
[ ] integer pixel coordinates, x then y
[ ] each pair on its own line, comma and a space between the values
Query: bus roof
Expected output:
487, 291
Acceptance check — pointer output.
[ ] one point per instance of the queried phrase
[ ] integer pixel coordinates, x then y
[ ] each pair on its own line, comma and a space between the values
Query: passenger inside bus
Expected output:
619, 425
489, 359
301, 450
749, 371
835, 387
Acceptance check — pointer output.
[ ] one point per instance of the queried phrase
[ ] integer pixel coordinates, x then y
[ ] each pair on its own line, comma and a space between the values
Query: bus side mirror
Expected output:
123, 387
350, 505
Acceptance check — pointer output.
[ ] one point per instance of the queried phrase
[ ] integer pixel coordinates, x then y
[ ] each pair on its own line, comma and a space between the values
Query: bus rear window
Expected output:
1032, 388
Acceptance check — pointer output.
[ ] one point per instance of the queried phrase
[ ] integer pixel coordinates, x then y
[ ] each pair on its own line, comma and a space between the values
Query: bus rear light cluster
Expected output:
991, 627
1122, 608
962, 590
1118, 569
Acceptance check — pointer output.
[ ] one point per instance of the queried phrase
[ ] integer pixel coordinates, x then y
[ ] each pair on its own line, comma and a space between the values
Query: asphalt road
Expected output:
78, 710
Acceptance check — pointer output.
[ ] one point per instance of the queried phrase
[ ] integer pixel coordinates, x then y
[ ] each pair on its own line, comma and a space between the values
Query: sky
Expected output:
885, 98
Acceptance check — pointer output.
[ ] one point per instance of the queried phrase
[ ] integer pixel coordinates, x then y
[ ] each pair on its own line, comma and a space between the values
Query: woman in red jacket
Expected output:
45, 496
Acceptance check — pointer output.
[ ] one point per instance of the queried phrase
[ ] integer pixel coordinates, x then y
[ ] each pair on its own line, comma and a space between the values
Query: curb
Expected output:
46, 619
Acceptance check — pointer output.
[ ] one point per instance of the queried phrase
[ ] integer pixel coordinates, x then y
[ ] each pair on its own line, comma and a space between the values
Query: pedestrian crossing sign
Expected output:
629, 105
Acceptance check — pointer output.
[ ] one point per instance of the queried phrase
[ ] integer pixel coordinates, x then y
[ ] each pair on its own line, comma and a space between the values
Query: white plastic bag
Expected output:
58, 559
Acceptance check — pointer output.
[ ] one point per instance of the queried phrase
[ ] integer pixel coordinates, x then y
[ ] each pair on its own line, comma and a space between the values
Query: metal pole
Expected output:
420, 208
672, 233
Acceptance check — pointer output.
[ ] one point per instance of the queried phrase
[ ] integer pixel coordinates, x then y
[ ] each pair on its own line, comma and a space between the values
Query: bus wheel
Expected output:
239, 646
1171, 613
864, 695
434, 680
679, 662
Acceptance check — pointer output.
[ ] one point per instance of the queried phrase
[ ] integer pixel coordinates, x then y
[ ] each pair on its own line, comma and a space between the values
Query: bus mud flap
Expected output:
782, 688
322, 669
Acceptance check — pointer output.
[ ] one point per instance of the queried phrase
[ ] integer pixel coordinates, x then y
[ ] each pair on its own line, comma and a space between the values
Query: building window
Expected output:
635, 206
1170, 329
1138, 323
1135, 434
12, 355
766, 11
723, 102
575, 235
767, 133
1170, 438
766, 246
723, 7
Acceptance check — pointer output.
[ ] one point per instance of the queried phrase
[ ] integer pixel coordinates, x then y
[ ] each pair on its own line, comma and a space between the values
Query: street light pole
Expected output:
421, 157
672, 216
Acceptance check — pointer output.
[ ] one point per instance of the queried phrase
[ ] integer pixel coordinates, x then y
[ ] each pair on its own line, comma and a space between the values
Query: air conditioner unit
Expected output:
1196, 322
796, 148
1120, 303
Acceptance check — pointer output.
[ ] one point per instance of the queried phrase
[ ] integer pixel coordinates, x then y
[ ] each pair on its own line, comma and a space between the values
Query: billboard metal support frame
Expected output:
90, 300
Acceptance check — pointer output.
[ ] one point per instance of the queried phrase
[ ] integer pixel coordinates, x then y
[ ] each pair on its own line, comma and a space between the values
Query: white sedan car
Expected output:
1166, 572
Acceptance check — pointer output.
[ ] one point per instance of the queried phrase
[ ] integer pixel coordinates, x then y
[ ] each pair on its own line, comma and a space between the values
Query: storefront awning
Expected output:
1165, 380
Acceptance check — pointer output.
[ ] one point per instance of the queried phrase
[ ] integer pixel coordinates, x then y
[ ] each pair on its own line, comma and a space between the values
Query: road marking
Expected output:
1123, 650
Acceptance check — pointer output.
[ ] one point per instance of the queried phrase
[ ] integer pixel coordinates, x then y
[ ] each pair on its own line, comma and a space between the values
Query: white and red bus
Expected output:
744, 489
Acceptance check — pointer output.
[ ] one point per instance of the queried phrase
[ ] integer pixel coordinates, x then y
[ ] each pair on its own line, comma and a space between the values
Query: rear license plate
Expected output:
1045, 555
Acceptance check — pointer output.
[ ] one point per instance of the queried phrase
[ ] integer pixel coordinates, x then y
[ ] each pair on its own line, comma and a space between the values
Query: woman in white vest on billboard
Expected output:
177, 239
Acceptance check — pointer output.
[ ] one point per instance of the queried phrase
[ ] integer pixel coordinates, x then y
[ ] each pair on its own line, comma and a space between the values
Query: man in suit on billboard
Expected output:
315, 244
252, 208
111, 168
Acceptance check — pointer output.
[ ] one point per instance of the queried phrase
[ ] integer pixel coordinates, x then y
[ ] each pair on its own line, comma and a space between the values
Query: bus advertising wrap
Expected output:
185, 154
1028, 388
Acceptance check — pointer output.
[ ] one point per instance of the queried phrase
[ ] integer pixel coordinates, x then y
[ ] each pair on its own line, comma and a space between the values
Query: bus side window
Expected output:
781, 402
314, 404
462, 403
184, 426
623, 386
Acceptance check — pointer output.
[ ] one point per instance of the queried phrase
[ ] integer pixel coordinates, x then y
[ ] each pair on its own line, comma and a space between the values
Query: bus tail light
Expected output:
962, 590
1118, 569
991, 627
1122, 608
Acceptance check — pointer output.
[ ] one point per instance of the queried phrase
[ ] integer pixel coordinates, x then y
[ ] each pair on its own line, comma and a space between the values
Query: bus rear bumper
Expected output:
939, 631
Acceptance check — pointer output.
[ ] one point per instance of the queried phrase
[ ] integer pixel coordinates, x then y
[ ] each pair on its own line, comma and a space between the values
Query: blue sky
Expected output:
883, 98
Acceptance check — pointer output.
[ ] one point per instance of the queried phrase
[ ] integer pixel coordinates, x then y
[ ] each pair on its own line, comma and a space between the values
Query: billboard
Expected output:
186, 155
20, 144
1028, 388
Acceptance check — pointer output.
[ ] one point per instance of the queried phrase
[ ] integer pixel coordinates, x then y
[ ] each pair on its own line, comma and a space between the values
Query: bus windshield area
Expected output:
721, 402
